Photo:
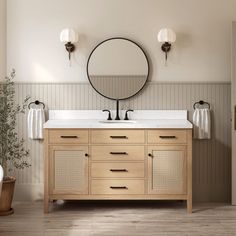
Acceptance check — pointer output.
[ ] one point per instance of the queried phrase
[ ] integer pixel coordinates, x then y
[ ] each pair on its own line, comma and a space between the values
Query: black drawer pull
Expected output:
118, 153
118, 187
167, 137
69, 136
121, 137
118, 170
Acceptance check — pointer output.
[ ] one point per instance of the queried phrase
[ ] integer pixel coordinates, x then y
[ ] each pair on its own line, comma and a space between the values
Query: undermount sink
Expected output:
117, 121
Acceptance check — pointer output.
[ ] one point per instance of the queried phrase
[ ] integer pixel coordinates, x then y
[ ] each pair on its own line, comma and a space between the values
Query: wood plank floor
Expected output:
104, 218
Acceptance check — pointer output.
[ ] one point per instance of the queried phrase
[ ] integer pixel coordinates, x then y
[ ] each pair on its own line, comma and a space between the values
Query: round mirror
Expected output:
118, 68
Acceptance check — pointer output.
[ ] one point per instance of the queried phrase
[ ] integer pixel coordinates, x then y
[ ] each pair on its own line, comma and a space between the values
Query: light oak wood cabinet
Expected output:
118, 164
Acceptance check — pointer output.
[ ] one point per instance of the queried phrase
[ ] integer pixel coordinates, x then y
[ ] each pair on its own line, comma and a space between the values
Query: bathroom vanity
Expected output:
149, 157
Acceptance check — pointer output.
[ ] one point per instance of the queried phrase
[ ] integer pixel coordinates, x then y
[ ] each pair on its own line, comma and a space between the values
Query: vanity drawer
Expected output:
117, 136
117, 170
68, 136
117, 186
167, 136
117, 153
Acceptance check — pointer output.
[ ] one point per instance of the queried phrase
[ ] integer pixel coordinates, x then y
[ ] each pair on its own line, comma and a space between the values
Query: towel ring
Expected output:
37, 102
201, 102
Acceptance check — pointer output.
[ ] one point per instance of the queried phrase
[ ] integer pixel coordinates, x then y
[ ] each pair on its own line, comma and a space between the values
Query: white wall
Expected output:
2, 39
201, 52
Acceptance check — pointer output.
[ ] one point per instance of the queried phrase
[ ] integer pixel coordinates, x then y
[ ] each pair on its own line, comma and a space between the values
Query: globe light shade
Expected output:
68, 35
166, 35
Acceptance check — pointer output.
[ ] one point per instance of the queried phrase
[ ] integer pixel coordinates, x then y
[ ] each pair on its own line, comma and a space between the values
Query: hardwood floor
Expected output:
110, 218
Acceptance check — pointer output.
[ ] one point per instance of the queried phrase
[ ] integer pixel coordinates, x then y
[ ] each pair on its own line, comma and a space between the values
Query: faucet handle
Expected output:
109, 114
126, 114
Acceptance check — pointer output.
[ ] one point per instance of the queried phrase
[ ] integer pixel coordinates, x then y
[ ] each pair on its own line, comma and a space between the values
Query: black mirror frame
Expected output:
139, 48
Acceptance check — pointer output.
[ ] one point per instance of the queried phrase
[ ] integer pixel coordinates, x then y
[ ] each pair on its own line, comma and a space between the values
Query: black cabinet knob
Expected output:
149, 154
86, 154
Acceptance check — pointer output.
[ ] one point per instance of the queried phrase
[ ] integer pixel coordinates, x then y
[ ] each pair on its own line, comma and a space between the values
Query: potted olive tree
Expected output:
12, 151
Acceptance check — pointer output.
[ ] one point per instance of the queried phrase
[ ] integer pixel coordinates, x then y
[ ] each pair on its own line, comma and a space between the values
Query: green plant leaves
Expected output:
12, 151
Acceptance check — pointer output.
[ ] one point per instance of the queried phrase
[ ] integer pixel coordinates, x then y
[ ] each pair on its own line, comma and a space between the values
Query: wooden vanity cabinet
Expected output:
118, 164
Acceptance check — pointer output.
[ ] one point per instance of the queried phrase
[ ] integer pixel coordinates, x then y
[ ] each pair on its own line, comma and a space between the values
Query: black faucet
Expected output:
117, 110
109, 114
126, 114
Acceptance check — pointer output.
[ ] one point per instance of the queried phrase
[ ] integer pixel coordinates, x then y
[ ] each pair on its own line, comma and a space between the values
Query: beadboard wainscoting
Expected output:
211, 158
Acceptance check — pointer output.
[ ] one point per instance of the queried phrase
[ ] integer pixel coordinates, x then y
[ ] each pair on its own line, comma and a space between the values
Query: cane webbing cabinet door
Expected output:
69, 165
167, 170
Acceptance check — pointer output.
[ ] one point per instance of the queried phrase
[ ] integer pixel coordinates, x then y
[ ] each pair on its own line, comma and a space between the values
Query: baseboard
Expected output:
28, 192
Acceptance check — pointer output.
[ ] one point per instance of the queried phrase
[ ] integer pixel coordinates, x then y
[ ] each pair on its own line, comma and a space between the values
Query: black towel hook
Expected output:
201, 102
36, 102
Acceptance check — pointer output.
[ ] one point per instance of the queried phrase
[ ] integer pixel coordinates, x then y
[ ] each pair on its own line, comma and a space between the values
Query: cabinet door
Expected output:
68, 170
167, 170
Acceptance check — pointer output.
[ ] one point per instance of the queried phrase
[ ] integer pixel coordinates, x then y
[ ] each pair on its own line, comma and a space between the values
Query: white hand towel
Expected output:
1, 179
202, 123
36, 119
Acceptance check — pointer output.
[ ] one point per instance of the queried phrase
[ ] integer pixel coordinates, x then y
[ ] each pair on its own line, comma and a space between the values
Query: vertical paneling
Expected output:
211, 158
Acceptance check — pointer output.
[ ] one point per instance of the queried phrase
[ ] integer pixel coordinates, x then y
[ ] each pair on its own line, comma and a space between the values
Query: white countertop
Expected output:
96, 124
146, 119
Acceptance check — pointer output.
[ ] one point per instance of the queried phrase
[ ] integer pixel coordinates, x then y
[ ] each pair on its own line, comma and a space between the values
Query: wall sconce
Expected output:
166, 36
69, 36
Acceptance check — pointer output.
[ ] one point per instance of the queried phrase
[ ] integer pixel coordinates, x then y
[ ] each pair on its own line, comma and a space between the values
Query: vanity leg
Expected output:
189, 173
189, 205
46, 171
46, 205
